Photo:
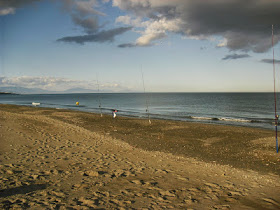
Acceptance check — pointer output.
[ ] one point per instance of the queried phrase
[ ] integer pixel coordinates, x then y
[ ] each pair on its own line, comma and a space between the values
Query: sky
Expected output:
178, 45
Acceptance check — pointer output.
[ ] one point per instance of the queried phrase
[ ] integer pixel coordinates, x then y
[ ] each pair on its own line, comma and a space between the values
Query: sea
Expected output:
238, 109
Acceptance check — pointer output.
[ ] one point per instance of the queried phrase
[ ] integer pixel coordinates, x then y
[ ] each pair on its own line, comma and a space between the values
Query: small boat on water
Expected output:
35, 104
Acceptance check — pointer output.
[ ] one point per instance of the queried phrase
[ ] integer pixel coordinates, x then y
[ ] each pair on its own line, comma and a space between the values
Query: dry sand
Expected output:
62, 159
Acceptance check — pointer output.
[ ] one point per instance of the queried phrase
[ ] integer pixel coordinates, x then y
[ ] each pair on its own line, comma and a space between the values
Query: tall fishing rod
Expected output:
99, 100
275, 95
147, 105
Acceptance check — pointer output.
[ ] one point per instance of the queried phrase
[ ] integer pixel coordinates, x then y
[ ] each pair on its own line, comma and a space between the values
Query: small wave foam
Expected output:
235, 120
201, 118
224, 119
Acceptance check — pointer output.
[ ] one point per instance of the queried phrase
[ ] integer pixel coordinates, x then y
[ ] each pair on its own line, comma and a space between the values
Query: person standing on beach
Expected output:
114, 113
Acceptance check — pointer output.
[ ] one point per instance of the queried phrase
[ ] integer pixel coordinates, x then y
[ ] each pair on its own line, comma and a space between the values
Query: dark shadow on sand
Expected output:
22, 190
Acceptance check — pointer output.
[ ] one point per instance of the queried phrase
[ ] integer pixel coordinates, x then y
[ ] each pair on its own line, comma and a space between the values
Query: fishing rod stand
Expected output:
276, 132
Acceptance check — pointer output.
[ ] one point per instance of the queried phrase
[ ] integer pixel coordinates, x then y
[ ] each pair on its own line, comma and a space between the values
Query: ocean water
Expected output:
240, 109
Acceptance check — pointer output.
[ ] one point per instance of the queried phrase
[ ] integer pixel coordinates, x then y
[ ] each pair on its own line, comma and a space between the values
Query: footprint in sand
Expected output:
272, 202
138, 182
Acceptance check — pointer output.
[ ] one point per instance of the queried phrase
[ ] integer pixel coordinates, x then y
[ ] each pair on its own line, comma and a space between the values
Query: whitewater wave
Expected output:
202, 118
227, 119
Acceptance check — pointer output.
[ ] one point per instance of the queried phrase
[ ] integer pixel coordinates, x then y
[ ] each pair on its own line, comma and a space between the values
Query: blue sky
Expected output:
182, 45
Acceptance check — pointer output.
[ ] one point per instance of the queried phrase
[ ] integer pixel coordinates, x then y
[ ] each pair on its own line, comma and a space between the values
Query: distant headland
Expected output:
7, 93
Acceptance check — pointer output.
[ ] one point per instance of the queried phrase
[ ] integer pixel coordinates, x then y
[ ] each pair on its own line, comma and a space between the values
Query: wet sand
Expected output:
64, 159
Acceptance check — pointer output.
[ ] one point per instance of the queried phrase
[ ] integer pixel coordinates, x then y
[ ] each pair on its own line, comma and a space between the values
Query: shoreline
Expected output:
64, 158
227, 121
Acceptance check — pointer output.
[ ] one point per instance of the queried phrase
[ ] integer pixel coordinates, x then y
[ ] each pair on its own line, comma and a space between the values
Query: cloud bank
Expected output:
242, 25
58, 84
46, 83
235, 24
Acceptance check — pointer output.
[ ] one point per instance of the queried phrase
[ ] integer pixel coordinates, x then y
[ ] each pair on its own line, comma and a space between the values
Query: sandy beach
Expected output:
63, 159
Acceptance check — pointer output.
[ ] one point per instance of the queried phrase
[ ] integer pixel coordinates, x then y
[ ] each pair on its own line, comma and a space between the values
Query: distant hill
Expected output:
79, 90
22, 90
6, 93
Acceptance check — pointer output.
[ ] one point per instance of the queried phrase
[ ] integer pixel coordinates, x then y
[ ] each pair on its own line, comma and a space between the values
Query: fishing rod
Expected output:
99, 100
275, 95
147, 105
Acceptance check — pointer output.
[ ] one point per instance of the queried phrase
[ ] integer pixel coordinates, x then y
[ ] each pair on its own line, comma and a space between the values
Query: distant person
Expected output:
114, 113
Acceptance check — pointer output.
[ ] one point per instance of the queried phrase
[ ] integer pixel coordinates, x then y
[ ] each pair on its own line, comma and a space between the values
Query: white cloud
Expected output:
147, 38
7, 11
130, 4
123, 19
222, 43
151, 29
135, 22
164, 25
